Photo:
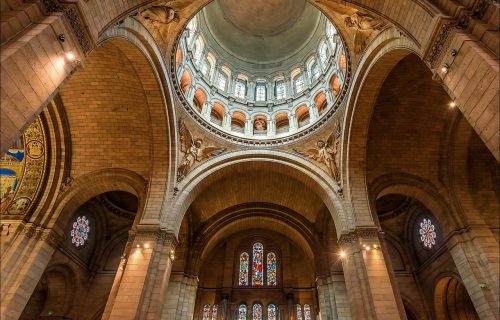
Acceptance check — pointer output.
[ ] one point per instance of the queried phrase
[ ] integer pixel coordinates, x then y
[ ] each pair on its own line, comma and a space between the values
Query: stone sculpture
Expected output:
365, 25
193, 151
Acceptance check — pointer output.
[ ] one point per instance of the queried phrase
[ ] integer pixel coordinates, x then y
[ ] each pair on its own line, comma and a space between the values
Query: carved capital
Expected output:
359, 234
38, 233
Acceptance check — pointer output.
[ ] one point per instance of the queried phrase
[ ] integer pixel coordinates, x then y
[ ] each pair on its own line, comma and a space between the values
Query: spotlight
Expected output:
367, 248
342, 254
61, 37
70, 56
375, 246
138, 246
453, 52
445, 68
452, 104
146, 245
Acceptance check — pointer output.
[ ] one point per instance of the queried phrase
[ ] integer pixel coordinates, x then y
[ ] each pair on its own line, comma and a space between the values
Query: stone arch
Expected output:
292, 165
451, 300
418, 189
89, 186
368, 81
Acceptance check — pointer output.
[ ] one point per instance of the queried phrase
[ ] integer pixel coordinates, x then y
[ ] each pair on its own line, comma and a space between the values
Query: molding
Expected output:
359, 233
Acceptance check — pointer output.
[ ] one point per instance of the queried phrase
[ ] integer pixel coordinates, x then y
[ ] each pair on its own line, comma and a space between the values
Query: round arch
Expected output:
291, 165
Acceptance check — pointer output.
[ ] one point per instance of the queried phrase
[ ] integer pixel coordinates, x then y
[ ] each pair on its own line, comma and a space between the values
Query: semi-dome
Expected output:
271, 71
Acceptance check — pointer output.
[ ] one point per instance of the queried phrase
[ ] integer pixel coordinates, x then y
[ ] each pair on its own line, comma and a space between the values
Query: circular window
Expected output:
427, 232
80, 231
269, 83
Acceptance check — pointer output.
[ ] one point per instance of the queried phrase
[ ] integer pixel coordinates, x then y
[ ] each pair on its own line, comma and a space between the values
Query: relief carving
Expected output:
365, 25
160, 15
193, 151
326, 152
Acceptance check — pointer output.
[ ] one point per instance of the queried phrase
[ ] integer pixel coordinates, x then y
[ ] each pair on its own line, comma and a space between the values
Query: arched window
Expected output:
243, 278
298, 83
280, 89
242, 312
191, 30
299, 312
272, 313
215, 311
257, 312
221, 81
257, 265
198, 49
271, 269
307, 312
314, 71
330, 32
323, 52
260, 91
206, 312
240, 89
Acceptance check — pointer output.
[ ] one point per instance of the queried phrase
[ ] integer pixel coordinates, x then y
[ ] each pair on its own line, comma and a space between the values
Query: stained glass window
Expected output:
271, 269
307, 312
80, 231
257, 312
206, 312
257, 265
243, 279
260, 91
280, 89
427, 233
240, 89
272, 314
299, 83
215, 310
299, 312
242, 312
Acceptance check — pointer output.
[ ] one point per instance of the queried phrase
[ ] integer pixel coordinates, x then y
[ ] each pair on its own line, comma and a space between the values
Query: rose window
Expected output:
80, 231
427, 233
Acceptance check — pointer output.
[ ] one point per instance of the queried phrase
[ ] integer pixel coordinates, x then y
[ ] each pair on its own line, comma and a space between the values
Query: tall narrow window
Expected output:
240, 89
206, 312
315, 71
257, 265
307, 312
298, 82
260, 91
243, 279
272, 313
215, 311
257, 312
299, 312
221, 81
280, 89
242, 312
271, 269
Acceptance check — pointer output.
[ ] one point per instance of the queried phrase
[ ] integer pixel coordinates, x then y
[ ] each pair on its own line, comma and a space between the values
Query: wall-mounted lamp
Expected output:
61, 37
453, 52
70, 56
342, 254
445, 68
172, 254
452, 104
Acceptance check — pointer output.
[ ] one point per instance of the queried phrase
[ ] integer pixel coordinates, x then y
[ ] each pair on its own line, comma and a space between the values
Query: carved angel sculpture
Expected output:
364, 24
160, 15
326, 152
193, 151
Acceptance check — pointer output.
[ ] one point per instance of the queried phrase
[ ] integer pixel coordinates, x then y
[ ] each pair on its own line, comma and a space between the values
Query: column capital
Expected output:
359, 234
148, 233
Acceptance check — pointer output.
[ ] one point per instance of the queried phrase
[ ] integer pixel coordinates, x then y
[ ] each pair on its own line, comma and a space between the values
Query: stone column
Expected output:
180, 298
369, 287
476, 255
232, 85
249, 127
313, 112
213, 77
206, 110
332, 297
329, 98
289, 87
144, 281
271, 127
22, 265
292, 120
226, 124
190, 94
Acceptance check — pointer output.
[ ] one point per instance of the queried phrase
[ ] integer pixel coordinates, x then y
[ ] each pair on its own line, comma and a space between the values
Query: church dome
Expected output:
268, 74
